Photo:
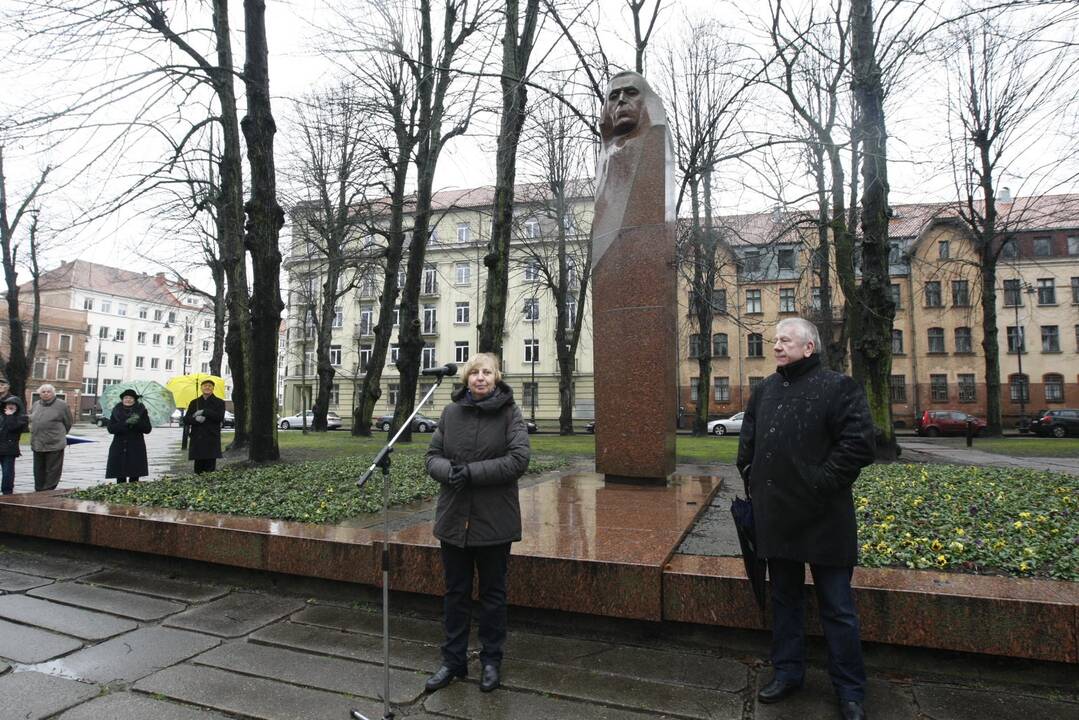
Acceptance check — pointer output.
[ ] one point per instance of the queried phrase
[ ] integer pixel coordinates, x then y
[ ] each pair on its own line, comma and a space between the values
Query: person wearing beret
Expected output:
204, 416
128, 424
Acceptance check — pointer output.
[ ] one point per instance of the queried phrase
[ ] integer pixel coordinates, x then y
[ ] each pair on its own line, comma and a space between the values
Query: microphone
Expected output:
446, 370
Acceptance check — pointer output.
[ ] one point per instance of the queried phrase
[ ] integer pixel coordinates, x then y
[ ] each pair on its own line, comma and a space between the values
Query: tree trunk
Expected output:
265, 219
874, 311
987, 251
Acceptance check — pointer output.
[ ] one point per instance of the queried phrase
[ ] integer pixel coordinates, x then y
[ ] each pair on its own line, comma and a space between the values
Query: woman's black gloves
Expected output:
458, 476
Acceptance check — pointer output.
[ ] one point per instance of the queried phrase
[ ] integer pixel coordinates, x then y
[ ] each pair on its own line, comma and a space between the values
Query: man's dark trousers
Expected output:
839, 619
459, 565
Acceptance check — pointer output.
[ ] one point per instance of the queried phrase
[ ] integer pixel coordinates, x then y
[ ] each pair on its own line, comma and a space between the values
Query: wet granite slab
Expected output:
114, 602
324, 673
1037, 619
25, 644
34, 696
235, 614
181, 589
251, 697
370, 623
464, 701
817, 699
76, 622
129, 706
18, 582
58, 568
940, 702
130, 657
352, 646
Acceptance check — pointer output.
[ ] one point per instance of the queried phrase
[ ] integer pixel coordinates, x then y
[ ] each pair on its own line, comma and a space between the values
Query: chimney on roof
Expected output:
1005, 195
777, 213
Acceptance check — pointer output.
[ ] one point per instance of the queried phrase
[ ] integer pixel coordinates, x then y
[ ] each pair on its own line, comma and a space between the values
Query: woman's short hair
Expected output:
488, 359
45, 387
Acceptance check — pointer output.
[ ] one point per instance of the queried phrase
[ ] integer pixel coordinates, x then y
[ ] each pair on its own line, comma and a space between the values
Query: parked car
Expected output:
1056, 423
531, 427
947, 422
333, 421
590, 427
733, 425
101, 419
229, 421
420, 423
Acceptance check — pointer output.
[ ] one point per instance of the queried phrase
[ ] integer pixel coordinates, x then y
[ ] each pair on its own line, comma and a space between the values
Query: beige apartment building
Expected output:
764, 273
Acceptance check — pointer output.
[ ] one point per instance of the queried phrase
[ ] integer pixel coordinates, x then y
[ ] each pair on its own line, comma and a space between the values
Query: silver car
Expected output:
333, 421
732, 425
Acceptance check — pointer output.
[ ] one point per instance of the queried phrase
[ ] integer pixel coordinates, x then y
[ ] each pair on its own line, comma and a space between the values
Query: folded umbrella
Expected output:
76, 439
756, 568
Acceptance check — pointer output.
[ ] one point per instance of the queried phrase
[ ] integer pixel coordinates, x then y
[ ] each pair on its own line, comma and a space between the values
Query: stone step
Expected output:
170, 588
114, 602
84, 624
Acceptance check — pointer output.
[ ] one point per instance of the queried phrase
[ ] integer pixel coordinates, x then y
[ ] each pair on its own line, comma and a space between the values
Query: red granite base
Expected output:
1037, 619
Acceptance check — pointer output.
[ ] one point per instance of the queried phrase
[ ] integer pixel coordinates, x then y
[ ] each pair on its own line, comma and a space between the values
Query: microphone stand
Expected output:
382, 460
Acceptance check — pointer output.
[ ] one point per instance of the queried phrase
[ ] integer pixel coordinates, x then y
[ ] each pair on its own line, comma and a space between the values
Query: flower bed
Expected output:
969, 519
320, 491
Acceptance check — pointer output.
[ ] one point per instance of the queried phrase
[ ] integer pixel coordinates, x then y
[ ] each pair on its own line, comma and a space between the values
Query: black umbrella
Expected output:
742, 512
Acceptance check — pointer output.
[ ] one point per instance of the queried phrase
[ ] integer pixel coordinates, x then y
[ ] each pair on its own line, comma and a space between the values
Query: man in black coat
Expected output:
805, 436
204, 416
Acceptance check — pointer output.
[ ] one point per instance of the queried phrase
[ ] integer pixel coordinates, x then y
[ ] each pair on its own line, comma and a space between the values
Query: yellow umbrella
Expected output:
186, 388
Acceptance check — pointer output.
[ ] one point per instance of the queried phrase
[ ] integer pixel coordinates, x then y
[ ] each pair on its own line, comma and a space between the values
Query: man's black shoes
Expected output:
443, 677
851, 710
490, 679
776, 690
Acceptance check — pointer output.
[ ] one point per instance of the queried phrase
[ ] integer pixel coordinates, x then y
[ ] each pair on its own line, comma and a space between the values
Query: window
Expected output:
529, 394
430, 320
102, 358
40, 365
158, 314
367, 321
814, 298
899, 388
143, 311
721, 389
1073, 245
1050, 338
105, 382
1019, 387
42, 341
207, 324
1016, 341
571, 312
168, 364
897, 296
462, 273
89, 386
897, 342
751, 262
963, 340
88, 303
103, 332
395, 353
335, 355
938, 388
172, 316
753, 301
694, 346
936, 340
394, 394
106, 306
65, 343
944, 249
532, 228
206, 346
569, 223
154, 362
786, 259
755, 343
960, 293
720, 345
367, 287
170, 340
464, 232
427, 356
1077, 338
1012, 296
117, 360
140, 338
461, 313
967, 392
430, 280
693, 394
1009, 250
396, 315
786, 300
338, 319
1075, 290
532, 271
1047, 291
531, 309
1054, 387
932, 294
121, 309
1043, 247
460, 351
120, 334
719, 300
365, 356
156, 339
532, 350
895, 254
140, 361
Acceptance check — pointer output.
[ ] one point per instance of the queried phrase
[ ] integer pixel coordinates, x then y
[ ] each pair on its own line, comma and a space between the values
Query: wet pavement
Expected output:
92, 633
937, 451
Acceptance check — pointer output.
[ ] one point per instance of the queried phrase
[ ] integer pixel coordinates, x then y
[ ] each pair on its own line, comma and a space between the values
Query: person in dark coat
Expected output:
13, 423
204, 416
128, 424
5, 395
805, 436
477, 454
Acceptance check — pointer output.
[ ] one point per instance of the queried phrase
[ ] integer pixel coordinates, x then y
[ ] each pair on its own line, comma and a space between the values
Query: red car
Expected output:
947, 422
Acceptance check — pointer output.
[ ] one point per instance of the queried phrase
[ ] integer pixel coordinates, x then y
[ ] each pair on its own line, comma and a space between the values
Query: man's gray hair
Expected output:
806, 329
46, 386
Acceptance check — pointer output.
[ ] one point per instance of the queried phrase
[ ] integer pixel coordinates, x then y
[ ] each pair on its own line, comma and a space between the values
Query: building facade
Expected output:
60, 352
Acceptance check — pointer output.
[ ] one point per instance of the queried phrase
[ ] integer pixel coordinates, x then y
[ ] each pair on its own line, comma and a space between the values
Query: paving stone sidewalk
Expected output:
89, 633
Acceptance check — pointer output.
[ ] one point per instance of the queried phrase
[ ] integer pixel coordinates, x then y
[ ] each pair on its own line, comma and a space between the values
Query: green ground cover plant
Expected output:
316, 491
969, 519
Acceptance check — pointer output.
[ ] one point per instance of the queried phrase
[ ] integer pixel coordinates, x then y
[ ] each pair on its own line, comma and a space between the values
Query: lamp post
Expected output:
1020, 345
533, 363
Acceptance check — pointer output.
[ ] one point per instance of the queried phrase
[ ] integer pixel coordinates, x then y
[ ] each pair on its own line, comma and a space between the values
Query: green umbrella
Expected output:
154, 396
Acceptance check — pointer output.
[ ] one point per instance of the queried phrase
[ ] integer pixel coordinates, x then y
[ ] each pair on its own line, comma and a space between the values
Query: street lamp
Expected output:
1020, 345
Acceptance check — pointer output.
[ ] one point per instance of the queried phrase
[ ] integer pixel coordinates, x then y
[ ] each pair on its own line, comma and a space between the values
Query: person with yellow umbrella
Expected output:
203, 417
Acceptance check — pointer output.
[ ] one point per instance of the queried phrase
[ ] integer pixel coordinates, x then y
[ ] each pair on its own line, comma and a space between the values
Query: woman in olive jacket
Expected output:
128, 425
477, 454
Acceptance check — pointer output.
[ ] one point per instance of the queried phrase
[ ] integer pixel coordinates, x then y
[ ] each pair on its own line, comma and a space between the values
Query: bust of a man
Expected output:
629, 108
